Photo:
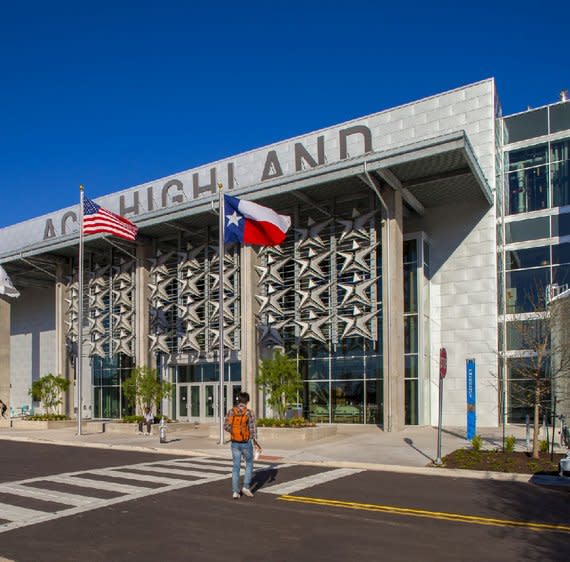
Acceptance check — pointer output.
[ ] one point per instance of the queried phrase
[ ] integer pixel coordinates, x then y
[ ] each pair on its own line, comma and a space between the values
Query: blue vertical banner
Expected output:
471, 399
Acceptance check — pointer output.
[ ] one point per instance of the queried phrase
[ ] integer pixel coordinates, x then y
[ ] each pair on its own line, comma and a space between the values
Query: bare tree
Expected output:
543, 367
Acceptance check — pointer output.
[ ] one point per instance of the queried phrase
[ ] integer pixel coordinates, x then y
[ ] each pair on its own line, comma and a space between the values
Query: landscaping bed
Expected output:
497, 461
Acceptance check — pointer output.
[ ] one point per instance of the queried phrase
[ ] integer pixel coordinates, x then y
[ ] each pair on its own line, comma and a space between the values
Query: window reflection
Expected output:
524, 288
559, 117
526, 125
530, 257
561, 275
374, 401
528, 190
524, 334
521, 389
561, 225
560, 172
411, 390
531, 229
316, 401
108, 373
411, 334
527, 158
314, 368
561, 253
348, 401
348, 368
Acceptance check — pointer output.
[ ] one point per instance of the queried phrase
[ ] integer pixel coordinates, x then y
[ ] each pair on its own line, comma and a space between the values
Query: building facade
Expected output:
412, 231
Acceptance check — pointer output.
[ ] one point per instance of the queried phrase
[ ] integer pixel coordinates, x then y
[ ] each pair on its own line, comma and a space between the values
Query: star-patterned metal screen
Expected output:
323, 286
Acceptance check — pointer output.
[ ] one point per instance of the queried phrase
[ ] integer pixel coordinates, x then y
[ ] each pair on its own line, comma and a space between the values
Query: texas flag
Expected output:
249, 223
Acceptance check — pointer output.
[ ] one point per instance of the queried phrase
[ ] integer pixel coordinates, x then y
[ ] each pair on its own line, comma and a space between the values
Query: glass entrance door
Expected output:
213, 398
189, 402
212, 395
199, 401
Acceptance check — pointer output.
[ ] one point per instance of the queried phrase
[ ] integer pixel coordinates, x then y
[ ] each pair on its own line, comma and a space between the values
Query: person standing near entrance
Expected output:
240, 424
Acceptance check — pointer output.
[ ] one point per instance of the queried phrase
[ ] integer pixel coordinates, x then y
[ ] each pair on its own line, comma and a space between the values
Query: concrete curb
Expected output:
424, 471
132, 448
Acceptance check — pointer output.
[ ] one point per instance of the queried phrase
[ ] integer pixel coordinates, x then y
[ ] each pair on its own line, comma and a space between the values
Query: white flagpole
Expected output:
79, 369
221, 251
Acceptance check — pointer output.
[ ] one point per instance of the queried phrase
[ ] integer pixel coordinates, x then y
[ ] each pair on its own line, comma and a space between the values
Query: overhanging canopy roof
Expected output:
439, 171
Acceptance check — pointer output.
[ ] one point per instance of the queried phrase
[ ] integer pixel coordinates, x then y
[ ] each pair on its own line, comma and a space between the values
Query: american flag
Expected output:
96, 220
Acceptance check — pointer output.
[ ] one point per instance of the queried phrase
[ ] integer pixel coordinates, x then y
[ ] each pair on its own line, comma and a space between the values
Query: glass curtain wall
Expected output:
411, 330
535, 248
108, 376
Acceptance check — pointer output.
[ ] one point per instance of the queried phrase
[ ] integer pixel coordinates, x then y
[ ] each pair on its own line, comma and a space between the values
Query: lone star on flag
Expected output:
234, 218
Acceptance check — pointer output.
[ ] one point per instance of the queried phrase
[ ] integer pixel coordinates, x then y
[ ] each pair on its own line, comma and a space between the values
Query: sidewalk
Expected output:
411, 450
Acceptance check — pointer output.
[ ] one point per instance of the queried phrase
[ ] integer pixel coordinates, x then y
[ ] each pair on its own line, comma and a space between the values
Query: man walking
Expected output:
240, 423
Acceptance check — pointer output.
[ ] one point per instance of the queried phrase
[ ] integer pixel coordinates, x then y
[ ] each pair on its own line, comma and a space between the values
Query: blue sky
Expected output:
115, 93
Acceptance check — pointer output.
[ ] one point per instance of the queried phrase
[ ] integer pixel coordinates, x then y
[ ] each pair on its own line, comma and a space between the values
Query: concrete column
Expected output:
249, 350
63, 365
393, 313
5, 311
142, 356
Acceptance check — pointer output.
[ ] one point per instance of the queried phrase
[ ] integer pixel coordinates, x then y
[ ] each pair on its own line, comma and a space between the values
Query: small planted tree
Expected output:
48, 390
143, 388
545, 362
281, 380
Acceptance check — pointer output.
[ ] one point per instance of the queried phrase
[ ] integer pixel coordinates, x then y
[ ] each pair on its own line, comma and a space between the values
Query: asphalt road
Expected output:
121, 506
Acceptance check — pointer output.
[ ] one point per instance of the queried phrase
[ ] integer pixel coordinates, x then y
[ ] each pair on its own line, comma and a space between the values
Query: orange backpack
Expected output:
239, 426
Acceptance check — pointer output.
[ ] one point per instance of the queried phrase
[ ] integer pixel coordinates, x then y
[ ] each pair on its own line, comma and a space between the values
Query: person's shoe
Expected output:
235, 495
247, 492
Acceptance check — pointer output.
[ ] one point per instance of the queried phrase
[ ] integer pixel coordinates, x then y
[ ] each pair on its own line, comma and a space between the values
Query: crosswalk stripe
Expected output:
166, 480
41, 517
161, 470
309, 481
15, 513
214, 463
97, 484
203, 460
206, 466
165, 472
48, 495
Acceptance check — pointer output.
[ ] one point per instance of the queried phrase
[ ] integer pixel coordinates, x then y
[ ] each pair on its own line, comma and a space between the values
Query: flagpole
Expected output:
79, 369
221, 251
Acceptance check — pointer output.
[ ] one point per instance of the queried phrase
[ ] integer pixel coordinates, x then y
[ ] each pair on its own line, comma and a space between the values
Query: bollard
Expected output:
564, 465
162, 430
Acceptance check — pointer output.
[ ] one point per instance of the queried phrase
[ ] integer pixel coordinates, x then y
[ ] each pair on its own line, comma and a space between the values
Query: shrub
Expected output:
510, 443
137, 419
131, 419
49, 391
543, 445
293, 422
47, 417
477, 442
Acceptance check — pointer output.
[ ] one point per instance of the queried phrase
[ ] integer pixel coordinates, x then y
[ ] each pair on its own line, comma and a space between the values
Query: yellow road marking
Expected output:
429, 514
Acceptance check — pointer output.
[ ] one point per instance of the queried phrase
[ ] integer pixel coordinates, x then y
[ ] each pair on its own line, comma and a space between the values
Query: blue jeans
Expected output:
239, 449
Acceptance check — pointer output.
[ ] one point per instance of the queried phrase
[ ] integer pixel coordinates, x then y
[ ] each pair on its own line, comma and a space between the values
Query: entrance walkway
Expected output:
352, 444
